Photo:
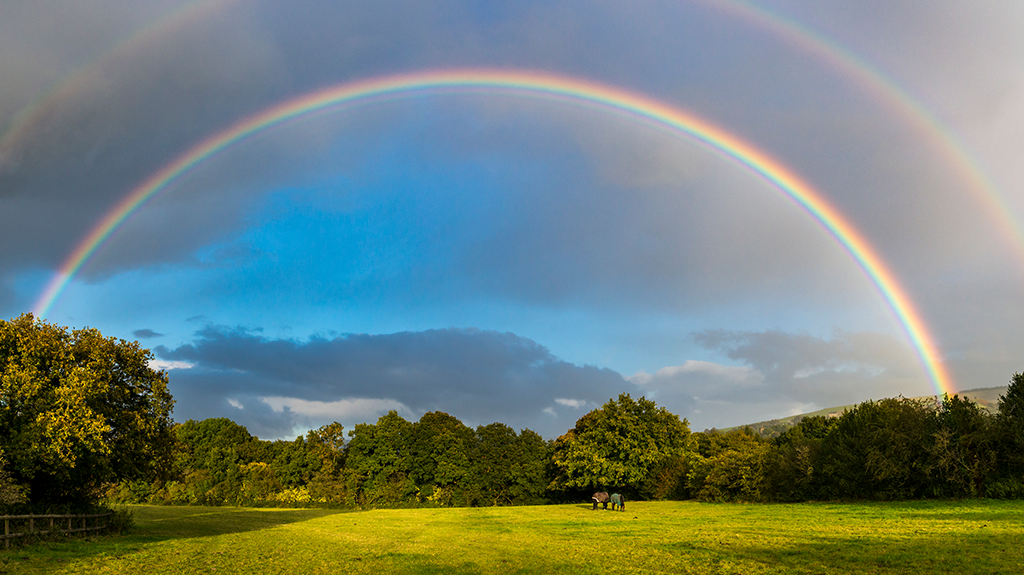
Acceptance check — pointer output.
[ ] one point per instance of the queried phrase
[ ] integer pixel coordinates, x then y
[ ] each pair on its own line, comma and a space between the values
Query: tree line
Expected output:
436, 461
895, 448
85, 420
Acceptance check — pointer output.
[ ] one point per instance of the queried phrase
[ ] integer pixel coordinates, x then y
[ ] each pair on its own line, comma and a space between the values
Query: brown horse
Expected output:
601, 497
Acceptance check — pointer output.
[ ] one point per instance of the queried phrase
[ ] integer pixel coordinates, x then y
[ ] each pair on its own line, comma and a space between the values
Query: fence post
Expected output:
31, 524
7, 531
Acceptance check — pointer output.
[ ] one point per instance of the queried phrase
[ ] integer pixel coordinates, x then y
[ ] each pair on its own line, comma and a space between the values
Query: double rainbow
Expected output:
543, 86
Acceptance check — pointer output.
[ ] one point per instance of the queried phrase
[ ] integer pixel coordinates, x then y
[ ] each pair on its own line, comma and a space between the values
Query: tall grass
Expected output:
650, 537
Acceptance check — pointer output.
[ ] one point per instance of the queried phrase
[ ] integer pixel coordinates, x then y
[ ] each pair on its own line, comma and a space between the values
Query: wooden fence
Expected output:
53, 524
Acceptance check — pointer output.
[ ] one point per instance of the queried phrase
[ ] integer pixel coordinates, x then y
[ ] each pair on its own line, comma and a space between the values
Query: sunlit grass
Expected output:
670, 537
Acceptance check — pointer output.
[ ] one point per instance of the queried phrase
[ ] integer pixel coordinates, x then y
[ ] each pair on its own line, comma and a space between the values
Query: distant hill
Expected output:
987, 397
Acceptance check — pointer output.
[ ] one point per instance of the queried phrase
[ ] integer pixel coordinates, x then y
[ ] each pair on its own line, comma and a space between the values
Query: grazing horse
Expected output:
618, 501
601, 497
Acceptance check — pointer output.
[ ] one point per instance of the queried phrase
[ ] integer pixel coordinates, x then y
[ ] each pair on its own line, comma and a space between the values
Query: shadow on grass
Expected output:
154, 524
590, 507
159, 522
961, 553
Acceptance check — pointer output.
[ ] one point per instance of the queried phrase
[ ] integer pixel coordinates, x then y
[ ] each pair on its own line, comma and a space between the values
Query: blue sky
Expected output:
503, 258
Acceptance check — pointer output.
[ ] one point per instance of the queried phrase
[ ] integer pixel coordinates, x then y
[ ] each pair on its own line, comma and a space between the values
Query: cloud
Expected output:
279, 387
165, 365
313, 414
146, 334
478, 376
782, 374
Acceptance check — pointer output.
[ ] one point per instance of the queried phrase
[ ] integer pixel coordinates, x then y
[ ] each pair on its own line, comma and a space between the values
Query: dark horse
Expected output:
601, 497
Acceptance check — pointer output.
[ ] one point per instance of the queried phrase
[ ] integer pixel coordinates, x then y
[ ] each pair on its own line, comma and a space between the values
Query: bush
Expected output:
121, 521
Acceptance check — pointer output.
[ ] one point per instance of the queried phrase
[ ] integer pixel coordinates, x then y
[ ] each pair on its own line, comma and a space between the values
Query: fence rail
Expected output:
34, 521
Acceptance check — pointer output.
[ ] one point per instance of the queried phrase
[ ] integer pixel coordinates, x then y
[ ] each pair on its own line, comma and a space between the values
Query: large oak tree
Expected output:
77, 410
619, 445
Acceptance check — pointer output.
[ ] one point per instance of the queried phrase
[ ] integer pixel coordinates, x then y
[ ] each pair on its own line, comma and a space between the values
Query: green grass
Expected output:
651, 537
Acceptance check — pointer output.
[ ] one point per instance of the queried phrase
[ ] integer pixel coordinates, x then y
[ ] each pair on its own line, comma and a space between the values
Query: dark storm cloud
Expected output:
142, 107
477, 376
139, 108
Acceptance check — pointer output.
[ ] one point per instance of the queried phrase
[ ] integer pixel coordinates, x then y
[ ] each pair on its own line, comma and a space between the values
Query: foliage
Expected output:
878, 449
795, 460
1009, 438
619, 444
439, 455
729, 466
79, 410
121, 521
889, 449
961, 452
11, 494
508, 469
379, 455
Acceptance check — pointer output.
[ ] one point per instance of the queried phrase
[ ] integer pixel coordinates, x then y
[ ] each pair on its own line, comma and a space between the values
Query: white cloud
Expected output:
346, 409
573, 403
168, 365
673, 375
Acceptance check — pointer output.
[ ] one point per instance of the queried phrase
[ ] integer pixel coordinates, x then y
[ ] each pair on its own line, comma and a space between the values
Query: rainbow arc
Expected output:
543, 86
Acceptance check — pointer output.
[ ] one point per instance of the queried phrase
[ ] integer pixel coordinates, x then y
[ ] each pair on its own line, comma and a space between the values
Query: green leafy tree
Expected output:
329, 483
79, 410
1009, 440
439, 456
879, 449
328, 444
618, 445
729, 466
378, 455
796, 460
962, 452
208, 460
508, 469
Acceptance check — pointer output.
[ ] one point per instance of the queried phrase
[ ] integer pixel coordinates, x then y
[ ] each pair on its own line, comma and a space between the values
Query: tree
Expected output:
439, 451
379, 456
796, 459
78, 410
1009, 438
878, 449
618, 445
962, 451
508, 469
729, 466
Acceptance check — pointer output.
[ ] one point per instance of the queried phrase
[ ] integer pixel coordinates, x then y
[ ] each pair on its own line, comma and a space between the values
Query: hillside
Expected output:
987, 397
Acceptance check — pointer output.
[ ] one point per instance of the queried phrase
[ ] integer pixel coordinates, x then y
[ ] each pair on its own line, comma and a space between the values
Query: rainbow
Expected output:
542, 86
885, 90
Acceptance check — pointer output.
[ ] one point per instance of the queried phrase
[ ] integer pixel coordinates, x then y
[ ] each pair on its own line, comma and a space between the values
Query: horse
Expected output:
601, 497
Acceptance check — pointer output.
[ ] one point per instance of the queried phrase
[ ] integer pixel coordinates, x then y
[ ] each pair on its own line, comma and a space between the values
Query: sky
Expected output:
509, 255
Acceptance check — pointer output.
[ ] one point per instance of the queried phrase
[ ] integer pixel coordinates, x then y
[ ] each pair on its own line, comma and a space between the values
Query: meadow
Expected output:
650, 537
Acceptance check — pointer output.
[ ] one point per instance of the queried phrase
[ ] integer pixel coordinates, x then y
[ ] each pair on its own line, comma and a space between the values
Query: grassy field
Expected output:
651, 537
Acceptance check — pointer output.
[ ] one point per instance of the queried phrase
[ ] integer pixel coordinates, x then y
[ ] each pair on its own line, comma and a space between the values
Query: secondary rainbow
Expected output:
886, 90
543, 86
